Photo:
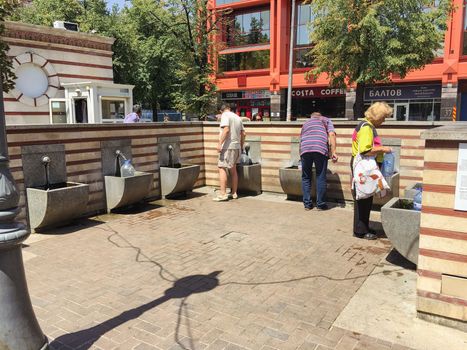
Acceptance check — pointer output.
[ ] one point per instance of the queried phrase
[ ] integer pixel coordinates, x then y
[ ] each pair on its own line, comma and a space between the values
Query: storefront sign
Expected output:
317, 92
246, 95
402, 92
235, 95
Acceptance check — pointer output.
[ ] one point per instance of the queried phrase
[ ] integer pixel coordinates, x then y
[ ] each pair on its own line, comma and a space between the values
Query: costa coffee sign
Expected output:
317, 92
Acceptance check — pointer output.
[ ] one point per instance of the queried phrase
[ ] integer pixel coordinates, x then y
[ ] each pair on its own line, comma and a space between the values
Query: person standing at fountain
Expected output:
365, 141
317, 133
135, 116
231, 141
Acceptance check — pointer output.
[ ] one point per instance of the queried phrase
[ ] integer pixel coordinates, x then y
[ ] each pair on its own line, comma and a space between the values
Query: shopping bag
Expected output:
367, 178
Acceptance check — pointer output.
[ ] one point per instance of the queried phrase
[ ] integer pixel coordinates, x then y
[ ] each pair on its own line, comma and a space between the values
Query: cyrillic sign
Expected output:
402, 92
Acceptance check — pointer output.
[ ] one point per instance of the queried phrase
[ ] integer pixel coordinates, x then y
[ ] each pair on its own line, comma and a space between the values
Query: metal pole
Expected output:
19, 329
292, 42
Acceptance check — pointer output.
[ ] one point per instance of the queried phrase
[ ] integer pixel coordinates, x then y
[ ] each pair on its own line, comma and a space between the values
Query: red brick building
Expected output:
253, 69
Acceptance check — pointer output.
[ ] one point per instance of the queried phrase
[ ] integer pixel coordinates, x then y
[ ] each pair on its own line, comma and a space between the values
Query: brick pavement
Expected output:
194, 274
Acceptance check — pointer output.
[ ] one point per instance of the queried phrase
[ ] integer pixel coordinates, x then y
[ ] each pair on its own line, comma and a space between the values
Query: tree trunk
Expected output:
359, 105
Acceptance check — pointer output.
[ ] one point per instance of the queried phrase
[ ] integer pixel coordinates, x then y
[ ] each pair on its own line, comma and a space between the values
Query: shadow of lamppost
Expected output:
181, 289
19, 329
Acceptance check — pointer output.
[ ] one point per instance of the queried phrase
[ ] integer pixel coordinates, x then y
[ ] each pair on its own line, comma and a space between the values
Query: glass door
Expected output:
401, 111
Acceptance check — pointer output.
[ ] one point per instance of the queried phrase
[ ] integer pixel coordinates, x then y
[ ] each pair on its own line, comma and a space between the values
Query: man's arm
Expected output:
242, 139
333, 142
222, 138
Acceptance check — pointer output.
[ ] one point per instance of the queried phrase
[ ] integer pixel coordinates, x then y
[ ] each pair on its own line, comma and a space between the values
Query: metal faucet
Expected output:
170, 148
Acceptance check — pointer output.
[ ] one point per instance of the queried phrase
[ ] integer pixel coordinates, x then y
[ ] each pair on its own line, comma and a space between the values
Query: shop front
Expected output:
410, 102
249, 103
328, 101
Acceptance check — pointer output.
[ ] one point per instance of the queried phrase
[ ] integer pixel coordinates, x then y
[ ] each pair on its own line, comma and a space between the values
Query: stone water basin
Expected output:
57, 205
178, 179
124, 191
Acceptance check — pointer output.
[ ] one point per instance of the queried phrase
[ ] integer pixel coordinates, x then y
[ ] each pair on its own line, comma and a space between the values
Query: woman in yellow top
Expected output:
365, 140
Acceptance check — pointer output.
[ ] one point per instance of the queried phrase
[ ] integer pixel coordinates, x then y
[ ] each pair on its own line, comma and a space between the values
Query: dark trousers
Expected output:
321, 164
361, 212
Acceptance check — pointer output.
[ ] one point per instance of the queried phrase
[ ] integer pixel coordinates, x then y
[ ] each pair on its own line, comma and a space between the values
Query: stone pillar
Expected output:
448, 100
278, 105
350, 98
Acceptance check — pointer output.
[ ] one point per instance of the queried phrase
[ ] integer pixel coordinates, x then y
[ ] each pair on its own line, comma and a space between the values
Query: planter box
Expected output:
178, 180
291, 182
56, 206
123, 191
402, 227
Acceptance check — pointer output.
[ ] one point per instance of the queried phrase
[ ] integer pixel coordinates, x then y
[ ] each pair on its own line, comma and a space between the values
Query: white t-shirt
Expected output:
233, 121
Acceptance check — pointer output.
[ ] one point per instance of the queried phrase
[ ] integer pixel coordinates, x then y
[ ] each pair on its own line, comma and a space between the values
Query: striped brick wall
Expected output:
83, 152
276, 148
442, 263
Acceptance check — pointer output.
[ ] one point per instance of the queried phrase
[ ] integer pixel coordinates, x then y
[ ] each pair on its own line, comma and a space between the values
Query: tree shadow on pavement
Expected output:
181, 289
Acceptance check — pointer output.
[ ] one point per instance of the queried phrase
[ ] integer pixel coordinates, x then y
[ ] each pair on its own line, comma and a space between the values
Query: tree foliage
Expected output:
7, 75
363, 41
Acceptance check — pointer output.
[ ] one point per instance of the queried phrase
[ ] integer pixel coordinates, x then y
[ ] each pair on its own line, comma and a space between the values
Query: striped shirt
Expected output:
315, 134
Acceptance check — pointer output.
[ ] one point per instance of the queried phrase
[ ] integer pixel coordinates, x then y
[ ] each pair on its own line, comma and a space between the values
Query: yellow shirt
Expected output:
364, 138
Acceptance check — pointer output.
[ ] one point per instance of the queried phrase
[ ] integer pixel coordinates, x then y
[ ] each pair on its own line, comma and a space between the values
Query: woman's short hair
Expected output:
378, 110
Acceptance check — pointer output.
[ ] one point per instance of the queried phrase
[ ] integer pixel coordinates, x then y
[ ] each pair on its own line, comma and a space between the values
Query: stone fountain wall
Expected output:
198, 141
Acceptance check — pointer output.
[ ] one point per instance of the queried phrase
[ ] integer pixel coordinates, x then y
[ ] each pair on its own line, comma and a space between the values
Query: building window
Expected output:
113, 110
244, 61
58, 111
248, 28
225, 2
303, 45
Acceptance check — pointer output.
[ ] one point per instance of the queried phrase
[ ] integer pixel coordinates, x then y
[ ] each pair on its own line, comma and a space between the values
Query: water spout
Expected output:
247, 149
118, 154
46, 162
171, 158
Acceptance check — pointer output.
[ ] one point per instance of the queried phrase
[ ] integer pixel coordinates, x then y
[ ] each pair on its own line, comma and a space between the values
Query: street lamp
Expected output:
292, 42
19, 329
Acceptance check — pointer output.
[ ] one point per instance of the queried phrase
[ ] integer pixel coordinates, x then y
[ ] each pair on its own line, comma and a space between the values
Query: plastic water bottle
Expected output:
127, 169
388, 165
245, 160
417, 201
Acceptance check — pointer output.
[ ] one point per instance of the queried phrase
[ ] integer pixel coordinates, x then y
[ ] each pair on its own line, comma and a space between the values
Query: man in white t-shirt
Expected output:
231, 140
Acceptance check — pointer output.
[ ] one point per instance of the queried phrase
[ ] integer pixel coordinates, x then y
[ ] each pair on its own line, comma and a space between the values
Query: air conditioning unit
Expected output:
66, 25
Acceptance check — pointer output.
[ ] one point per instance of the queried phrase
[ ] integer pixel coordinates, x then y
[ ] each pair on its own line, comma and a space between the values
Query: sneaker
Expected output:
235, 196
369, 236
323, 207
308, 208
221, 198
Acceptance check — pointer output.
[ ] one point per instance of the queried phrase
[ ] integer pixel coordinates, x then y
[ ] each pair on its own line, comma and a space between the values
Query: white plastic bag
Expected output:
367, 178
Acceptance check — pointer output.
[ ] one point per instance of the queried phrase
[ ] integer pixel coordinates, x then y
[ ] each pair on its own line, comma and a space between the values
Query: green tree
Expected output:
194, 27
45, 12
362, 42
7, 76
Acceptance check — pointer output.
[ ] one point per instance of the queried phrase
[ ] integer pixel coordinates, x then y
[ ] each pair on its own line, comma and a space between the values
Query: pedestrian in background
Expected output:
135, 116
365, 141
316, 136
231, 141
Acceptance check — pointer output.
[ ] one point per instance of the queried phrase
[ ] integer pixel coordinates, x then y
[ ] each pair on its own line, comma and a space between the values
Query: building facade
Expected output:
62, 77
252, 69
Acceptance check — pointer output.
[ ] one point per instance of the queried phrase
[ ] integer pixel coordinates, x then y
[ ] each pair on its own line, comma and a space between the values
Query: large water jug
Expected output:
127, 169
417, 201
388, 165
245, 160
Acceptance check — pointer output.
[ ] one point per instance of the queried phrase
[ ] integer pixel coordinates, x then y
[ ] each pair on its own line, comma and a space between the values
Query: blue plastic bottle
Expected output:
417, 201
388, 165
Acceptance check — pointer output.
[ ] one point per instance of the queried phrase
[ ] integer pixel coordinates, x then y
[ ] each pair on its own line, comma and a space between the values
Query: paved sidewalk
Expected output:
195, 274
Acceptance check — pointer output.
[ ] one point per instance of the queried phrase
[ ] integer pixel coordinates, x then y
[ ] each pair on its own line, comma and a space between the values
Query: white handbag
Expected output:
367, 178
